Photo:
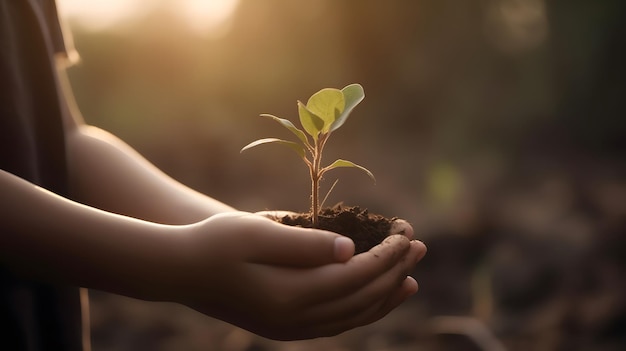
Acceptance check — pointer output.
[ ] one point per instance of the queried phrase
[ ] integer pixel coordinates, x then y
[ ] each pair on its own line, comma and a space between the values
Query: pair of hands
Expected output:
290, 283
277, 281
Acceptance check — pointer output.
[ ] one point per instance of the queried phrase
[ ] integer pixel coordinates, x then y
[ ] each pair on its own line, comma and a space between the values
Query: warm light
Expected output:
98, 14
208, 15
205, 16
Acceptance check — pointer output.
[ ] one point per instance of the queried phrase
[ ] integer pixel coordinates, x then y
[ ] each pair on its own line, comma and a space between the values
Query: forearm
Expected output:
108, 174
49, 238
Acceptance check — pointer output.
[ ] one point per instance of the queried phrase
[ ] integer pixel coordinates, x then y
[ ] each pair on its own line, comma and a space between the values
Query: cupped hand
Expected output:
290, 283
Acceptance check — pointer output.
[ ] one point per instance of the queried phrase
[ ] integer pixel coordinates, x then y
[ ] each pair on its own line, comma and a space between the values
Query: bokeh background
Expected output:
496, 127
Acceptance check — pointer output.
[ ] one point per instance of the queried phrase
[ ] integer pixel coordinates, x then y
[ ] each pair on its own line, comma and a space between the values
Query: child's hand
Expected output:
289, 283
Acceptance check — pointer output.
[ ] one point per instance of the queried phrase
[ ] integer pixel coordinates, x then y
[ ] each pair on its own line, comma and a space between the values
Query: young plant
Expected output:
324, 112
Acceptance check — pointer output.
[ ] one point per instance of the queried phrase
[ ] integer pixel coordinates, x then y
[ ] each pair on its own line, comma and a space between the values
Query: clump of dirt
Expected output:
365, 229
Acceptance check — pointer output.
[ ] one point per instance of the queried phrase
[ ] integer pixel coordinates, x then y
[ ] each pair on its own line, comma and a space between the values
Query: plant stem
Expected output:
316, 176
315, 187
314, 198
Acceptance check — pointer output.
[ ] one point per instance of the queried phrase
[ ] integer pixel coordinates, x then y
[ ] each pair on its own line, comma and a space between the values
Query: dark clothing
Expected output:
33, 315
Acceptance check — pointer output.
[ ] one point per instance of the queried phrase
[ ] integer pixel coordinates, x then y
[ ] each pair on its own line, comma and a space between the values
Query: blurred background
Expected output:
494, 126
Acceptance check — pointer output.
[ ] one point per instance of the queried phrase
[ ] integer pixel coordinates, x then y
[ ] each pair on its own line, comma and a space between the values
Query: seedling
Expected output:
324, 112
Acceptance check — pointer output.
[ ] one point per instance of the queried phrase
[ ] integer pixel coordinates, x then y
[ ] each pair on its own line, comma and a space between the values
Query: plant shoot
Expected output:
324, 112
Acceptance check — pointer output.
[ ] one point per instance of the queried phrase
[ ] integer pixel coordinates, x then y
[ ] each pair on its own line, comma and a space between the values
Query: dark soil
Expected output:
365, 229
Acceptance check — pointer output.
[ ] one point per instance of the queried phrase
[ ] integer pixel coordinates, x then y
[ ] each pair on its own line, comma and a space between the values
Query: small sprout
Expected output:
324, 112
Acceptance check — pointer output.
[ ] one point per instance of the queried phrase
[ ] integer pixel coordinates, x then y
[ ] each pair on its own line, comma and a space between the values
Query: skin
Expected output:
132, 230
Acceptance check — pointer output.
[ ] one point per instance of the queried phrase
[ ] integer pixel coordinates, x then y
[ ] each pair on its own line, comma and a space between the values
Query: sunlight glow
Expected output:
208, 15
98, 14
204, 16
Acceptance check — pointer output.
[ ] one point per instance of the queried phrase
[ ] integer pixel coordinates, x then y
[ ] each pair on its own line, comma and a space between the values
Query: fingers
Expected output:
366, 267
320, 285
402, 227
381, 293
336, 281
371, 313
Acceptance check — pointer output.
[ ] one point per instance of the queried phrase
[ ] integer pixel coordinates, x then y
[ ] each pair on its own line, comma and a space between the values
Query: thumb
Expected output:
278, 244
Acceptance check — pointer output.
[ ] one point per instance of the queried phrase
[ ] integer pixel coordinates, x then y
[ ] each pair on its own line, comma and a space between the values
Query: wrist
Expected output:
167, 272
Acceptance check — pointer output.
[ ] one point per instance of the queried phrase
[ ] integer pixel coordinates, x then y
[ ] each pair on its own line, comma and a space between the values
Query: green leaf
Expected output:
287, 124
353, 95
299, 149
311, 123
328, 104
345, 163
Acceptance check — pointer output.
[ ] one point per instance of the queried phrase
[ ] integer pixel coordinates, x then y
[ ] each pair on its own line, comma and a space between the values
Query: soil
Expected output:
365, 229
